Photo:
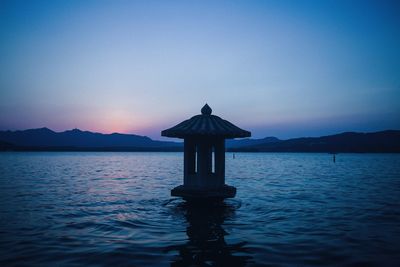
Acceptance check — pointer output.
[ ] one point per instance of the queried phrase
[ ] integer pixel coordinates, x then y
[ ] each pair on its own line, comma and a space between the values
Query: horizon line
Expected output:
95, 132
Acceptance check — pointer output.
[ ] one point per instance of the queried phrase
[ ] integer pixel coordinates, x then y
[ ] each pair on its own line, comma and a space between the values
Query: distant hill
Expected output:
44, 139
6, 146
384, 141
236, 143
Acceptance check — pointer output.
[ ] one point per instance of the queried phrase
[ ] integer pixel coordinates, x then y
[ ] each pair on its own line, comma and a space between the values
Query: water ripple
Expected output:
102, 209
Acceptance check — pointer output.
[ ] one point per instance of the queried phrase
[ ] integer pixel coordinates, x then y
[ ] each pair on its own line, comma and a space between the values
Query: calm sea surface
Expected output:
115, 209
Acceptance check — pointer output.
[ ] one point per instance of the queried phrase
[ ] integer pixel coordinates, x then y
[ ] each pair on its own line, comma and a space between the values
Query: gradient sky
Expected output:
276, 68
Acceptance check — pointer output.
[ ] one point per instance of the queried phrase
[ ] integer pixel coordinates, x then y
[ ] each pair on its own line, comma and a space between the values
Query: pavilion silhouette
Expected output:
204, 155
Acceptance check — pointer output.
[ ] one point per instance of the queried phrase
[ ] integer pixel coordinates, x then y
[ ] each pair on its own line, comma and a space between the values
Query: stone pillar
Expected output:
189, 161
204, 161
220, 161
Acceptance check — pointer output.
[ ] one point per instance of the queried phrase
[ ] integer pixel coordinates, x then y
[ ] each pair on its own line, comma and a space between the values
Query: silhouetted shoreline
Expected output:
44, 139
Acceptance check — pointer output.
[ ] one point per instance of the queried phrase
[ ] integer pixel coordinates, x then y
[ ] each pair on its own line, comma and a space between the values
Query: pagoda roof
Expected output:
206, 124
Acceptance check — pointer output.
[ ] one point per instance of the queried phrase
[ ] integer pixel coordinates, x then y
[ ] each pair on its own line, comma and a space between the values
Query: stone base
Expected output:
202, 194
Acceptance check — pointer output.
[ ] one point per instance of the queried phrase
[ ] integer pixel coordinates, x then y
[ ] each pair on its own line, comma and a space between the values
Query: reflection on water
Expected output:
206, 245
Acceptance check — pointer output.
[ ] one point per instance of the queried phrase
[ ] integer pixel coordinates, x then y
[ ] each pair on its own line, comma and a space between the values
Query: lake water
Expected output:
115, 209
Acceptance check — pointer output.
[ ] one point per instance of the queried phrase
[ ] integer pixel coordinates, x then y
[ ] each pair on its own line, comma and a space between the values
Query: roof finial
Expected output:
206, 110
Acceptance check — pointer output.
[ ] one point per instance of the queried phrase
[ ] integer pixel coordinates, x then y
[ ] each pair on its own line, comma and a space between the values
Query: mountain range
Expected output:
44, 139
383, 141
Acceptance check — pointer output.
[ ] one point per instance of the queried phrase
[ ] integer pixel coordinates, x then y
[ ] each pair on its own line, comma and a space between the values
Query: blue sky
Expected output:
276, 68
